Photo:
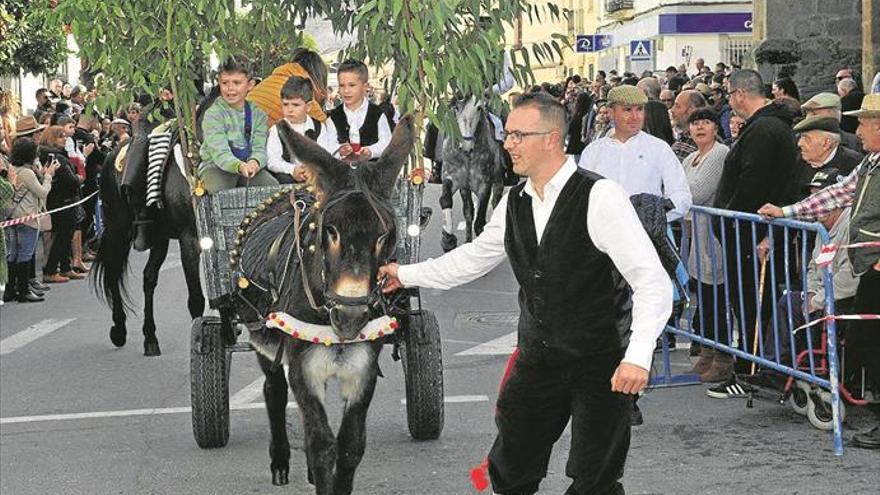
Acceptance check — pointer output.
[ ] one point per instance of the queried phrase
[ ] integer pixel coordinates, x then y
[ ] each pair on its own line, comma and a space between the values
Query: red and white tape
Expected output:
34, 216
829, 251
837, 317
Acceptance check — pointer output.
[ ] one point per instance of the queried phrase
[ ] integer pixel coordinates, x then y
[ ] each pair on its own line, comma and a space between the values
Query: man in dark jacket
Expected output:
759, 169
83, 136
850, 100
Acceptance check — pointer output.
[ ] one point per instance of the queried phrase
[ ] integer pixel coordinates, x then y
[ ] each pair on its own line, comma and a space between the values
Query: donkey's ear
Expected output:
382, 173
331, 173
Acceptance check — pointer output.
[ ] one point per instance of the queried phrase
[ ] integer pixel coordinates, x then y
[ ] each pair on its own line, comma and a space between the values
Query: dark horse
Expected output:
314, 260
473, 165
175, 221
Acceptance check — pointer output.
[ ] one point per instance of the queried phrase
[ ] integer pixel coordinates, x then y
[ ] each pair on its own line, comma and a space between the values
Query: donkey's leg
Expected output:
151, 278
320, 445
275, 395
467, 208
357, 391
189, 255
448, 241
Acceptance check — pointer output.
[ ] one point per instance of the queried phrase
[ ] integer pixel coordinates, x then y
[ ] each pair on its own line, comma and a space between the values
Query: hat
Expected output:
870, 107
822, 100
627, 95
121, 121
704, 89
27, 125
825, 177
818, 123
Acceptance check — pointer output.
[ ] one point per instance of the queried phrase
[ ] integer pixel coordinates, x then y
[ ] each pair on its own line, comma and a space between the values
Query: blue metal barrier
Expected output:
754, 298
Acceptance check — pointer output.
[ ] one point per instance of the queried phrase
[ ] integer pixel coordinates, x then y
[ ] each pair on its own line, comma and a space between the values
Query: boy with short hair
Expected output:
296, 96
234, 149
363, 129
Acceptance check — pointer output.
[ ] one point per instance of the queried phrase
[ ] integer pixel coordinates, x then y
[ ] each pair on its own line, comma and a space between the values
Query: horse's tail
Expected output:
110, 268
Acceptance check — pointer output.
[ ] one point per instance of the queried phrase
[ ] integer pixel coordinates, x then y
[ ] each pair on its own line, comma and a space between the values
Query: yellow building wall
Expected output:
582, 18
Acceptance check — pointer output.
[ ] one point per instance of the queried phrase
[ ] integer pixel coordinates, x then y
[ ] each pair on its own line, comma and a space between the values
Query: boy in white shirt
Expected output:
363, 129
296, 94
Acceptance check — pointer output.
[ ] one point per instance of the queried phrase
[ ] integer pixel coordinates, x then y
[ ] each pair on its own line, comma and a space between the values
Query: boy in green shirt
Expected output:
234, 148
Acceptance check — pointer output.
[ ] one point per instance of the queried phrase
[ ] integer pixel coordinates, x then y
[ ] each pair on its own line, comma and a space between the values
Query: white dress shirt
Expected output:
615, 230
274, 149
642, 164
356, 119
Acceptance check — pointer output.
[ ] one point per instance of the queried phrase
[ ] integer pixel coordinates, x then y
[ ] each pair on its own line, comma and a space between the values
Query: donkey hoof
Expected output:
117, 335
152, 349
280, 476
448, 242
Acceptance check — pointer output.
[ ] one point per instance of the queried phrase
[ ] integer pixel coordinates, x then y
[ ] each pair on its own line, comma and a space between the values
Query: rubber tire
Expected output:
800, 397
209, 384
820, 415
423, 373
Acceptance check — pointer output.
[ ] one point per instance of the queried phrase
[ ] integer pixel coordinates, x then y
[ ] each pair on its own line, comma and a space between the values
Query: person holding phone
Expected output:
30, 193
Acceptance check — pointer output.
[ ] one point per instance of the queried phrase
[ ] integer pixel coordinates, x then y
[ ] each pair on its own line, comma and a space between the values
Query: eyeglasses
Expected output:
516, 137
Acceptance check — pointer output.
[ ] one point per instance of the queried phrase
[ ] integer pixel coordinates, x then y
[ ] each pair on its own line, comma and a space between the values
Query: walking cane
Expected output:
760, 304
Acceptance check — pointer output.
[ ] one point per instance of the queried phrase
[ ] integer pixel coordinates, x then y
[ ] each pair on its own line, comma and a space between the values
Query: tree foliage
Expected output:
29, 40
437, 47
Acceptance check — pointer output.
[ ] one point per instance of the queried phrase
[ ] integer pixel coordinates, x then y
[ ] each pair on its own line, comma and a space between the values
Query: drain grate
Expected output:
508, 320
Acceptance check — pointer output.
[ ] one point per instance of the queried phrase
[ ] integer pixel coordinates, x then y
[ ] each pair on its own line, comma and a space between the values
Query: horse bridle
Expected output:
332, 300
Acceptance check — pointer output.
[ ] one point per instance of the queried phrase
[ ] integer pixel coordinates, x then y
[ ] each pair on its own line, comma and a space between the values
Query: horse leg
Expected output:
118, 331
352, 438
320, 445
448, 241
482, 208
189, 256
467, 208
275, 395
151, 278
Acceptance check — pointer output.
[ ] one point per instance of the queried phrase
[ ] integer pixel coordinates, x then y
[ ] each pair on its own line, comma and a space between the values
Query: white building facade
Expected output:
655, 34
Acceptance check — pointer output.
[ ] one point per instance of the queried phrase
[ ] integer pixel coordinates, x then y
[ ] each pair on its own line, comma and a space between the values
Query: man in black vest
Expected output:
569, 235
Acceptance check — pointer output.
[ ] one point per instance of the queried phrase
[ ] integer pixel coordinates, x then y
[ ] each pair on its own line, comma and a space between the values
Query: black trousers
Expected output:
709, 309
863, 337
58, 259
534, 406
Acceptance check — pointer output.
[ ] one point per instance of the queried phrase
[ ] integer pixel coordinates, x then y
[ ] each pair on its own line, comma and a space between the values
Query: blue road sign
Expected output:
640, 50
588, 43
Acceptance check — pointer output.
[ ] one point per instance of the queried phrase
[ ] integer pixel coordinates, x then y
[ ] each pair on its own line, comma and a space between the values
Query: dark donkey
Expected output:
473, 165
175, 221
310, 263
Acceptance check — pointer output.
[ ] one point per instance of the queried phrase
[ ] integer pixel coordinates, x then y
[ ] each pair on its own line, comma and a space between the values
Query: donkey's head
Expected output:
355, 225
469, 115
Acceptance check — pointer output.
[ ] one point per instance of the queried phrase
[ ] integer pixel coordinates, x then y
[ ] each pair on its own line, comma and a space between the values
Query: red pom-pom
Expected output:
394, 324
315, 340
381, 333
480, 476
295, 334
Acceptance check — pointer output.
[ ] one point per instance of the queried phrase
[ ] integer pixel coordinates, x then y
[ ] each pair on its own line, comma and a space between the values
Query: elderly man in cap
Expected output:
819, 142
636, 160
861, 190
828, 104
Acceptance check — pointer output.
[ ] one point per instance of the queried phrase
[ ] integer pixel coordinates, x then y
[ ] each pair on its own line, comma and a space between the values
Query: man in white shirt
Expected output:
567, 234
638, 161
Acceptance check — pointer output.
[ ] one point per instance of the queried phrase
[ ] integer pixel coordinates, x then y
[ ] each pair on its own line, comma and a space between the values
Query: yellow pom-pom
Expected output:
243, 283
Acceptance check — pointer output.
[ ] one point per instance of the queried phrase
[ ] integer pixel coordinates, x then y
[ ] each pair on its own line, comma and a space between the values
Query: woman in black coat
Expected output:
583, 104
65, 191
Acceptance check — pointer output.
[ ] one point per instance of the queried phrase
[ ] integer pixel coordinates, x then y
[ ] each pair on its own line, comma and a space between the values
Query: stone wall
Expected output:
809, 40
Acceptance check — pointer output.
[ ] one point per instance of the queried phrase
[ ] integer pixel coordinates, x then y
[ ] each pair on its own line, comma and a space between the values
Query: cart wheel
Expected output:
423, 374
819, 410
209, 383
799, 397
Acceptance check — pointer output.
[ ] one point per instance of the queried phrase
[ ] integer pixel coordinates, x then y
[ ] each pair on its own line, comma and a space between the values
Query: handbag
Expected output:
44, 223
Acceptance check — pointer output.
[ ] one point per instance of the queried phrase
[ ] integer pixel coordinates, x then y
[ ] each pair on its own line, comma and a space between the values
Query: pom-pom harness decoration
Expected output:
324, 334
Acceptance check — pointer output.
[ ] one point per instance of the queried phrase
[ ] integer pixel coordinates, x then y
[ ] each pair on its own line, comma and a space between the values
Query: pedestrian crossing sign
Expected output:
640, 50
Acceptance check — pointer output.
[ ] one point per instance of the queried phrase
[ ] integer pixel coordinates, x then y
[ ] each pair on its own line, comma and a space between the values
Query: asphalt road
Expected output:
82, 417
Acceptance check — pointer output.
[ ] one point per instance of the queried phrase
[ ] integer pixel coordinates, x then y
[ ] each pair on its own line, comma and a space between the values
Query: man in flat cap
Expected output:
638, 161
819, 142
828, 104
861, 190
